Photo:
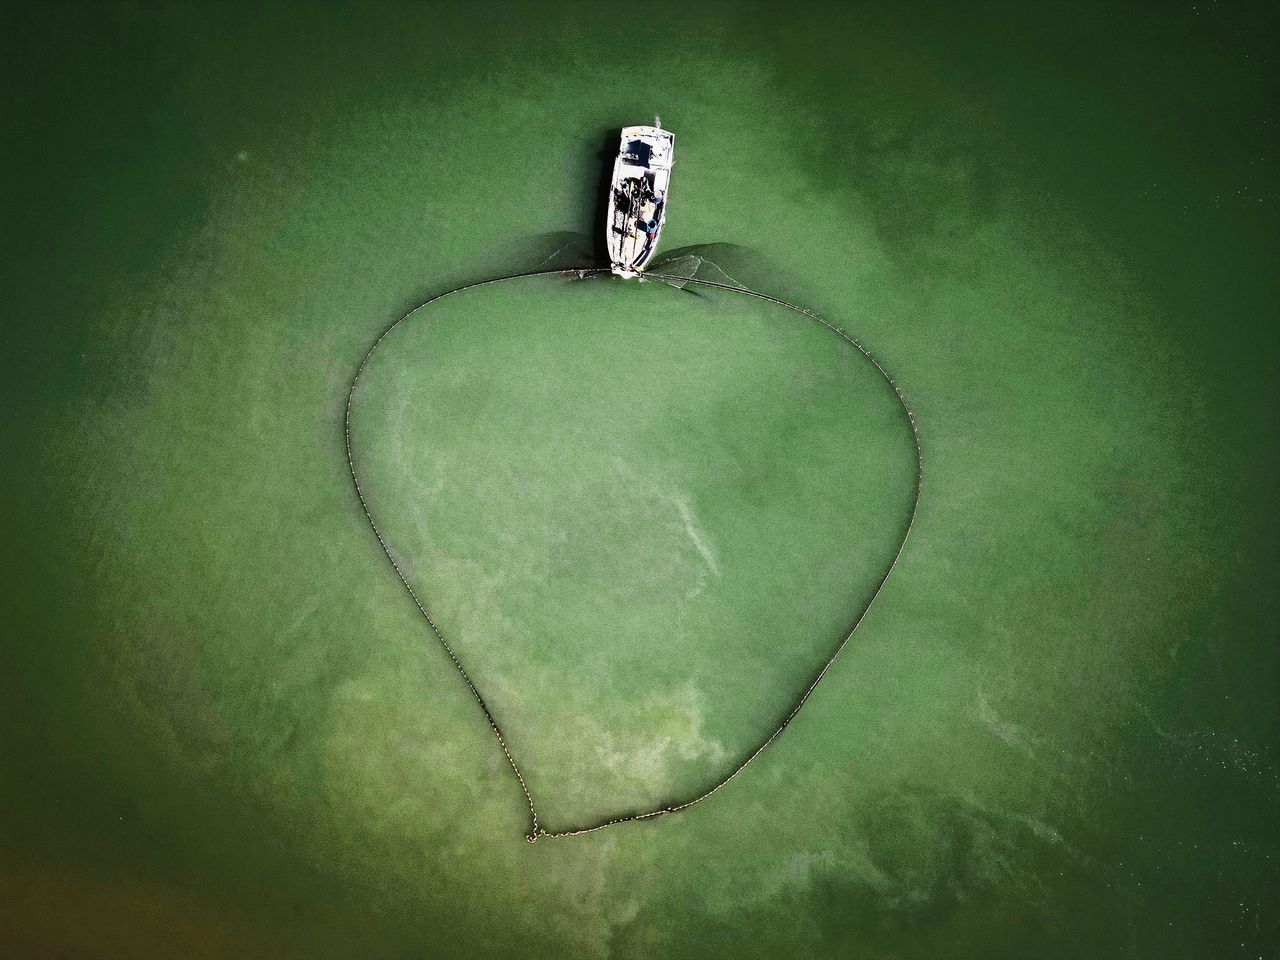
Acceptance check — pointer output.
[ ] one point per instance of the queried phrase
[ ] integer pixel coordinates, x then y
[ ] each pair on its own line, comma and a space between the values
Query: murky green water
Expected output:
642, 513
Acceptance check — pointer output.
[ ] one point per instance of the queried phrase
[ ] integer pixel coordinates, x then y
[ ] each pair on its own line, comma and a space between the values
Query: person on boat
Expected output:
656, 218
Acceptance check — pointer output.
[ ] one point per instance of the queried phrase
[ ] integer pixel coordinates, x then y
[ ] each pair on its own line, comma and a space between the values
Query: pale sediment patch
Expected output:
696, 536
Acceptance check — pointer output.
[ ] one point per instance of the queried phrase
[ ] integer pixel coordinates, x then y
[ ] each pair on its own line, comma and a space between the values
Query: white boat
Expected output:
638, 196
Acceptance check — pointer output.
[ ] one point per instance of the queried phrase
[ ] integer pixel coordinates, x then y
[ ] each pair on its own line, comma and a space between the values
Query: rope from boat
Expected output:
537, 830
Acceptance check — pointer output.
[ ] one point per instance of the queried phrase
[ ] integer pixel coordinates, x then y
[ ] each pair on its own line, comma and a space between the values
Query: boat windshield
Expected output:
638, 152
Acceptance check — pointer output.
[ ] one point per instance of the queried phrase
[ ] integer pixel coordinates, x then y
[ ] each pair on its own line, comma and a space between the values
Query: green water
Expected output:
643, 514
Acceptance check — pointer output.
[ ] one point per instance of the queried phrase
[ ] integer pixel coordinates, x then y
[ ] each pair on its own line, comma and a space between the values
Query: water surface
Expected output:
227, 732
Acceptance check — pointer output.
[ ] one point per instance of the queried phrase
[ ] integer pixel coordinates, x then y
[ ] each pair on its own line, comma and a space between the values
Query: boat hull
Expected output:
638, 197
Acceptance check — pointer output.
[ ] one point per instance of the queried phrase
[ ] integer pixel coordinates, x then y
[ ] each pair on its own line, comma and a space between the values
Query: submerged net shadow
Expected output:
689, 268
